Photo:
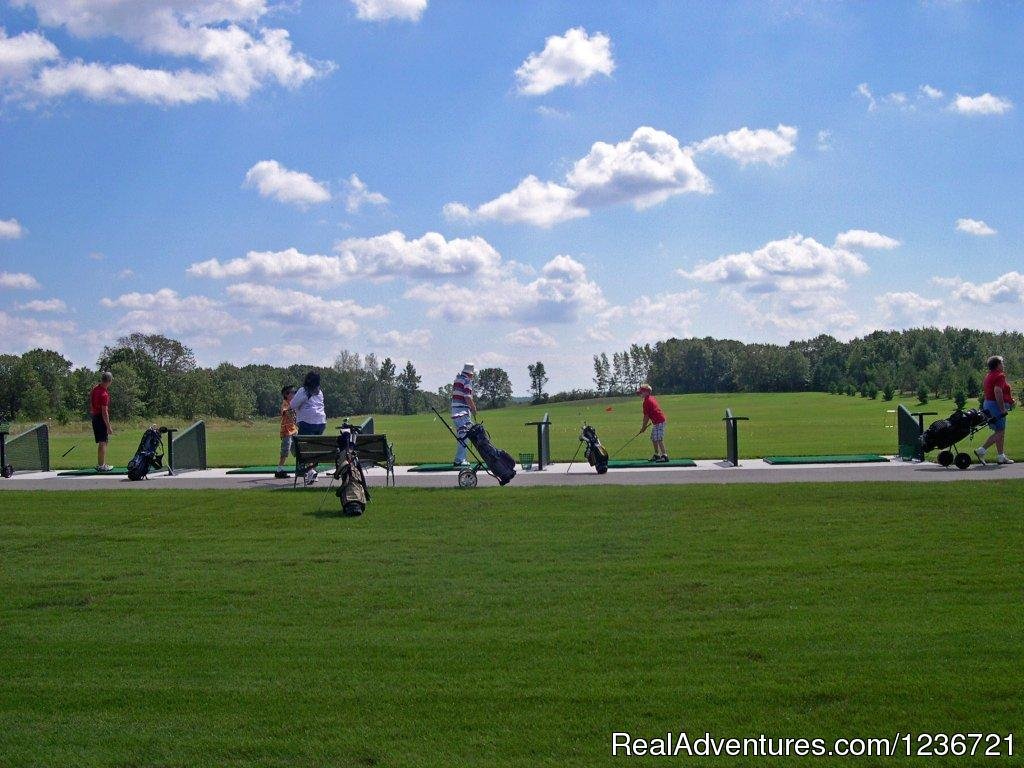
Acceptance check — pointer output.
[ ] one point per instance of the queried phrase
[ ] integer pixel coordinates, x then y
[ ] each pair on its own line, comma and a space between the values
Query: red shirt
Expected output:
653, 411
997, 379
98, 399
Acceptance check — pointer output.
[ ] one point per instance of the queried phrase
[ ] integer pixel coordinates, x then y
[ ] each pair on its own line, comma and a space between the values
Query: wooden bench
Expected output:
311, 450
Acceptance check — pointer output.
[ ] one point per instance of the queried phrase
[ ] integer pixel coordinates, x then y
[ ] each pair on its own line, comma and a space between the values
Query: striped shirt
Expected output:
462, 392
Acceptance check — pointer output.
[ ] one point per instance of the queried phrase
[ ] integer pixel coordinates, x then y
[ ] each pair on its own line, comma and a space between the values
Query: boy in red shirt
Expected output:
998, 401
99, 409
289, 429
654, 415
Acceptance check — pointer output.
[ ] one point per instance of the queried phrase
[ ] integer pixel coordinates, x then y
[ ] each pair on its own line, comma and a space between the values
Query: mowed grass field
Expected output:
780, 424
502, 627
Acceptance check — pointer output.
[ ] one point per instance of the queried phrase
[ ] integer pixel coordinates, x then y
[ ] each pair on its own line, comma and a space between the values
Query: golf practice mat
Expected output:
439, 467
269, 469
644, 464
839, 458
92, 471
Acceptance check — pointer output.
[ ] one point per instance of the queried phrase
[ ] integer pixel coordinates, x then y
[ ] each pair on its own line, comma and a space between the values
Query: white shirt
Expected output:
309, 409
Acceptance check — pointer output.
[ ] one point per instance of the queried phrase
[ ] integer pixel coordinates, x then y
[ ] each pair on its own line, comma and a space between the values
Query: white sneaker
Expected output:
104, 468
980, 453
1004, 459
310, 477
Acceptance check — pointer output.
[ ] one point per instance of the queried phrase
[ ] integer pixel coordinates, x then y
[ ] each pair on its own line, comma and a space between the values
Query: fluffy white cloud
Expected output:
1005, 289
271, 179
531, 338
20, 54
302, 310
415, 339
199, 319
382, 10
235, 56
930, 92
21, 334
358, 194
557, 295
865, 91
428, 257
10, 229
542, 204
574, 58
41, 305
862, 238
664, 315
18, 280
747, 146
906, 309
974, 227
289, 264
985, 104
795, 264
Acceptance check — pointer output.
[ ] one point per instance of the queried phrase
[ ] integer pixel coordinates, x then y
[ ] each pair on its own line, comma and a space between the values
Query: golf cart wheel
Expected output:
946, 458
602, 469
467, 478
962, 460
8, 471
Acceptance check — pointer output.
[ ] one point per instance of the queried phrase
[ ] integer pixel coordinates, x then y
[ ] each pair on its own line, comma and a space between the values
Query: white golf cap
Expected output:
469, 368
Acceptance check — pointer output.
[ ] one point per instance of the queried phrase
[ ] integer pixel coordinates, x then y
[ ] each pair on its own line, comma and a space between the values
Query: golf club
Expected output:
69, 450
634, 437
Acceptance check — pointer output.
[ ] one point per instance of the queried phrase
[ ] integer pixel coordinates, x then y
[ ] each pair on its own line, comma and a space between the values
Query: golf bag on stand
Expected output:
149, 456
596, 454
348, 471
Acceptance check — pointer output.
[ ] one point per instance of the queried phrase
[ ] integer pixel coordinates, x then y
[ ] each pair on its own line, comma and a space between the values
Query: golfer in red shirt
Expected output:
998, 401
99, 408
654, 415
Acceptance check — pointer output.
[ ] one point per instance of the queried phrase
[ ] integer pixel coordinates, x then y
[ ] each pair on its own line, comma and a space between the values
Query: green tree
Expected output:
408, 384
126, 392
538, 379
494, 388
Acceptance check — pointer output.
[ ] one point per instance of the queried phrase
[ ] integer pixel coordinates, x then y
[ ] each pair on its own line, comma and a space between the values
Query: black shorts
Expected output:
99, 429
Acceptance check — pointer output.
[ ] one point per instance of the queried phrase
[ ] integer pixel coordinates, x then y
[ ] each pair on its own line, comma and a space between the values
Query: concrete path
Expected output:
750, 471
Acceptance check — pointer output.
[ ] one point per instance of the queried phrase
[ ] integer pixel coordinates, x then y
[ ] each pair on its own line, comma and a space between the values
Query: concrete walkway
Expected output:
750, 471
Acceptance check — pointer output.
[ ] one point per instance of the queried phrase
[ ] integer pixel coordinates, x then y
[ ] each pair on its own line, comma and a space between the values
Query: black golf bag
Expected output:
149, 455
945, 433
596, 453
348, 471
499, 463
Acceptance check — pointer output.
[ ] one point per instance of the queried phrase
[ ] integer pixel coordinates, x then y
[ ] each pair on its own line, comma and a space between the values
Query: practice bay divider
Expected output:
732, 437
910, 427
187, 450
543, 440
28, 451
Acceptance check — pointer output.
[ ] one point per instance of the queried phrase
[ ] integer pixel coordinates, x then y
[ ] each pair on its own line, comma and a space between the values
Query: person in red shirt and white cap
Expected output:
654, 415
998, 402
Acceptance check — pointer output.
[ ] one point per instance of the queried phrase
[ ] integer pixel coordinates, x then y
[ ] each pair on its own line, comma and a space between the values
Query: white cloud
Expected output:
824, 140
282, 306
865, 91
985, 104
235, 56
574, 58
382, 10
20, 54
558, 295
41, 305
289, 264
664, 315
18, 280
930, 92
747, 146
272, 179
198, 319
906, 309
124, 274
416, 339
974, 227
535, 202
19, 334
557, 114
430, 256
10, 229
795, 264
358, 195
862, 238
1006, 289
531, 338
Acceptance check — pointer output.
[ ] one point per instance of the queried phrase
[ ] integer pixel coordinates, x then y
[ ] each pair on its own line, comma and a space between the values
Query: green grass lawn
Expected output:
502, 627
780, 424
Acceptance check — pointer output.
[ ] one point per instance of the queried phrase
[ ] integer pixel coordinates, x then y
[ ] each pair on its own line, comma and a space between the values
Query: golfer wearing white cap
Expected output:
463, 410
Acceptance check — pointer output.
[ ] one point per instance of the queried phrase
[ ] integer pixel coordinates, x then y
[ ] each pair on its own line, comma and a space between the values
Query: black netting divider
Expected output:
29, 451
189, 448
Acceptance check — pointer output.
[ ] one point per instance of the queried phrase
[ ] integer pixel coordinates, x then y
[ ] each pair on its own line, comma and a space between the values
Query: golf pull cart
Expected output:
946, 433
494, 461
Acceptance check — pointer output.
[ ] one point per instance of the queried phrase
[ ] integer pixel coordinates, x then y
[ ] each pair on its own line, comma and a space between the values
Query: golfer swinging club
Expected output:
463, 411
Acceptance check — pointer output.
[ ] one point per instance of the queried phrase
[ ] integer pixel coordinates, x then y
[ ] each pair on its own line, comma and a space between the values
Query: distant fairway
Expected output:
781, 424
515, 627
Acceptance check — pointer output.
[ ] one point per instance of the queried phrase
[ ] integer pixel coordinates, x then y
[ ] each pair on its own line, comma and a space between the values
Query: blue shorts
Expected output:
991, 407
288, 445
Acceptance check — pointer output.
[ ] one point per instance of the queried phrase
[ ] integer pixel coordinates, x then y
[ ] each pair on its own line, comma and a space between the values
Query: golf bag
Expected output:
148, 456
596, 453
945, 433
499, 463
352, 489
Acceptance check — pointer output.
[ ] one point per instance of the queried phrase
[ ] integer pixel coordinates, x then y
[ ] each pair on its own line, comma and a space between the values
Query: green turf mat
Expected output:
92, 471
839, 458
644, 464
437, 468
269, 469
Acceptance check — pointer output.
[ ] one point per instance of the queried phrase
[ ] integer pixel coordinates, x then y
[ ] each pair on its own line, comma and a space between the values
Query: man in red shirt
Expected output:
654, 415
998, 401
99, 408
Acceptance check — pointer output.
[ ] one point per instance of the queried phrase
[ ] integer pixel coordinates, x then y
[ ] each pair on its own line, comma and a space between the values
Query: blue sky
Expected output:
503, 182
